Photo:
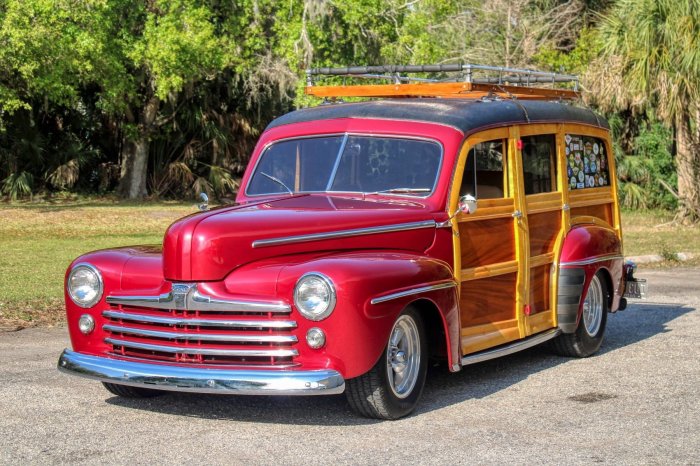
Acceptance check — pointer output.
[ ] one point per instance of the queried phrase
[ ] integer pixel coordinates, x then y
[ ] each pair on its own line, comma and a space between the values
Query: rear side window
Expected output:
586, 161
539, 169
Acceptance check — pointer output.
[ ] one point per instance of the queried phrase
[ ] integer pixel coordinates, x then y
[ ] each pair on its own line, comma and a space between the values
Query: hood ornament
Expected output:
204, 206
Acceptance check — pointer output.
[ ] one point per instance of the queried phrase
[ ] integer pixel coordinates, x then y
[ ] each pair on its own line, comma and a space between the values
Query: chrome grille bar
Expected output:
202, 336
186, 296
273, 353
273, 324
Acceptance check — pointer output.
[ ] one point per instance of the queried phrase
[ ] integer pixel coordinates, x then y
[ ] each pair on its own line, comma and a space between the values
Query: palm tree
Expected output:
651, 59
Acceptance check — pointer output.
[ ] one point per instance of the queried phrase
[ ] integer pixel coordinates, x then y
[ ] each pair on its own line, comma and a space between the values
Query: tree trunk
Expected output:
688, 169
134, 169
132, 184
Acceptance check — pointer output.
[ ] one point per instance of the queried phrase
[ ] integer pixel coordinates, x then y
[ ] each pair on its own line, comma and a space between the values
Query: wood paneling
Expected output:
539, 289
485, 336
544, 228
539, 322
490, 270
601, 211
486, 242
488, 300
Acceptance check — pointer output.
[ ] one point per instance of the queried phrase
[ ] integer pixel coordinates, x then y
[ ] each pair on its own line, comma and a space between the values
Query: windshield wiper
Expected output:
401, 191
279, 182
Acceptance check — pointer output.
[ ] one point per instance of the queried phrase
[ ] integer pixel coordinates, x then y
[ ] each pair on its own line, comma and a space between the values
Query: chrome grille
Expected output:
249, 334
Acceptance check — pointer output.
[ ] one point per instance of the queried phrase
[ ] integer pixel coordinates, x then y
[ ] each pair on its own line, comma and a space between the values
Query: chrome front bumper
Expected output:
190, 379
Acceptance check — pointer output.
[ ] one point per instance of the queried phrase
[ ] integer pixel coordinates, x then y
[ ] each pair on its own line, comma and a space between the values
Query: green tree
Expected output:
651, 59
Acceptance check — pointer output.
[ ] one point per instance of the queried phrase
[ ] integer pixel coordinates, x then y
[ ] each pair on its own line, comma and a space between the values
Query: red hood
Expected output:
208, 246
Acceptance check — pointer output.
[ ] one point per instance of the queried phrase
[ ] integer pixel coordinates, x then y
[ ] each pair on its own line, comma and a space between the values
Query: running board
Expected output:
510, 348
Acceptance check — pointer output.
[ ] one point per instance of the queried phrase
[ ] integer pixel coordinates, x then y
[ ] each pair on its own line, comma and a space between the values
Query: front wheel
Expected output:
392, 387
588, 336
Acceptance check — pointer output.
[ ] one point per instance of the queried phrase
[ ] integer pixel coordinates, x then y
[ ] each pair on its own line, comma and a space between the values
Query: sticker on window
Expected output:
587, 163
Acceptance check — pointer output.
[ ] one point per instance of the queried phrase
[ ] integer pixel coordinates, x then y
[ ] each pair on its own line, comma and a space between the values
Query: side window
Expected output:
539, 167
586, 162
483, 173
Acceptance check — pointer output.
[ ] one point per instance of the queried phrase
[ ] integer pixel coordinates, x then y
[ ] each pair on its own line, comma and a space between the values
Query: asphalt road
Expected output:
636, 402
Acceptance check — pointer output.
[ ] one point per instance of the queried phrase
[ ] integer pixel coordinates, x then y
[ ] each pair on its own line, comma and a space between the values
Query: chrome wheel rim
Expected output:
593, 307
403, 356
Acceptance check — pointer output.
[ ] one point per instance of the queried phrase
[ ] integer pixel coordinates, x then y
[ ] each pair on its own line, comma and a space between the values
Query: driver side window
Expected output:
484, 176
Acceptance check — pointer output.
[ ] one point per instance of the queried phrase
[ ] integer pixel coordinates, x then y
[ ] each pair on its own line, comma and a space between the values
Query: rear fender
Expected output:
372, 289
587, 249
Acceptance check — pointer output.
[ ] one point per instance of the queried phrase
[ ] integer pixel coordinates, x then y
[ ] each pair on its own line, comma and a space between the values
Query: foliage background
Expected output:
97, 96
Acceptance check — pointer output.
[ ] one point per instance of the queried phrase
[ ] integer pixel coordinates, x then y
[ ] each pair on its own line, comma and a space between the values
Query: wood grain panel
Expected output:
488, 300
539, 289
486, 242
590, 196
480, 337
543, 202
601, 211
539, 322
490, 208
490, 270
544, 228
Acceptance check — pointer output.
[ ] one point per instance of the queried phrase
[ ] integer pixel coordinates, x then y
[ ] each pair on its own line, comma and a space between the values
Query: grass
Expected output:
38, 242
653, 232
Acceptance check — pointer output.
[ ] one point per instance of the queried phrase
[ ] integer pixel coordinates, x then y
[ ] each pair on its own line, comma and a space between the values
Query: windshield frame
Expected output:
346, 135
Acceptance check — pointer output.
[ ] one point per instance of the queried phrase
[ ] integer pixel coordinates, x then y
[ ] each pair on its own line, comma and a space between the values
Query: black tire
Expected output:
126, 391
374, 395
587, 338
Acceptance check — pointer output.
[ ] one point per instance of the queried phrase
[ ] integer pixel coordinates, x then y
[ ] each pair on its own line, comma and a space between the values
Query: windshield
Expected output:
346, 163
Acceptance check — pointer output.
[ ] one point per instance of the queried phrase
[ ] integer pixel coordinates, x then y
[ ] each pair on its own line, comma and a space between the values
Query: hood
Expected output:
209, 245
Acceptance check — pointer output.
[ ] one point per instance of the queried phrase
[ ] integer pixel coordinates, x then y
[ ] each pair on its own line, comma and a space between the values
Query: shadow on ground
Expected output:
639, 322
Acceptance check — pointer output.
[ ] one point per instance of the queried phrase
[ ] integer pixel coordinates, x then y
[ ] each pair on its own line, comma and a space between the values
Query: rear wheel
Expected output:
588, 336
391, 389
126, 391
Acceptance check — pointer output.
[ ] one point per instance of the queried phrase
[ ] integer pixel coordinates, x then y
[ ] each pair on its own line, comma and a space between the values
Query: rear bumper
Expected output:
190, 379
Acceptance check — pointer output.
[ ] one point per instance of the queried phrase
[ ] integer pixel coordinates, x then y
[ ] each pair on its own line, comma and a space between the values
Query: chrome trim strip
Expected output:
511, 348
260, 243
592, 260
422, 289
186, 296
191, 379
274, 324
201, 336
272, 353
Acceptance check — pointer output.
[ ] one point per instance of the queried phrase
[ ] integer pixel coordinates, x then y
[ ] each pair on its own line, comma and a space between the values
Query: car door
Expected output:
487, 242
544, 212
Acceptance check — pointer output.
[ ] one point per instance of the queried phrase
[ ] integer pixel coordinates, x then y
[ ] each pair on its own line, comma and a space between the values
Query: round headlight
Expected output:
314, 296
85, 285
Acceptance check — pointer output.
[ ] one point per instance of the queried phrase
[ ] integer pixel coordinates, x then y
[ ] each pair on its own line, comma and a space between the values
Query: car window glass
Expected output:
371, 164
354, 164
483, 173
301, 164
539, 169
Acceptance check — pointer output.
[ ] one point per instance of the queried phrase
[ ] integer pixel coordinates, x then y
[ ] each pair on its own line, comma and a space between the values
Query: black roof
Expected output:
466, 115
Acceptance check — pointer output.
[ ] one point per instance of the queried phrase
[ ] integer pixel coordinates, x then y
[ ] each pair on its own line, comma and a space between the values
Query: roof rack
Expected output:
466, 81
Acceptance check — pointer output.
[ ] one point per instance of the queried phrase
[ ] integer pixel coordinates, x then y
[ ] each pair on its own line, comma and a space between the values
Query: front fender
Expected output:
358, 329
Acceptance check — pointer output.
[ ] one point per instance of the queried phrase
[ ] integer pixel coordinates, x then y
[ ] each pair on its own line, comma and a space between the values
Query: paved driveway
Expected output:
635, 402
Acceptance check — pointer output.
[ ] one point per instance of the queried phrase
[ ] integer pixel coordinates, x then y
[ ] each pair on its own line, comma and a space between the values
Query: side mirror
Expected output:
205, 202
467, 204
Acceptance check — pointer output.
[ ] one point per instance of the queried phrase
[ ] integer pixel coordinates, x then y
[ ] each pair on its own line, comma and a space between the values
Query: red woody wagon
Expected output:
454, 221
